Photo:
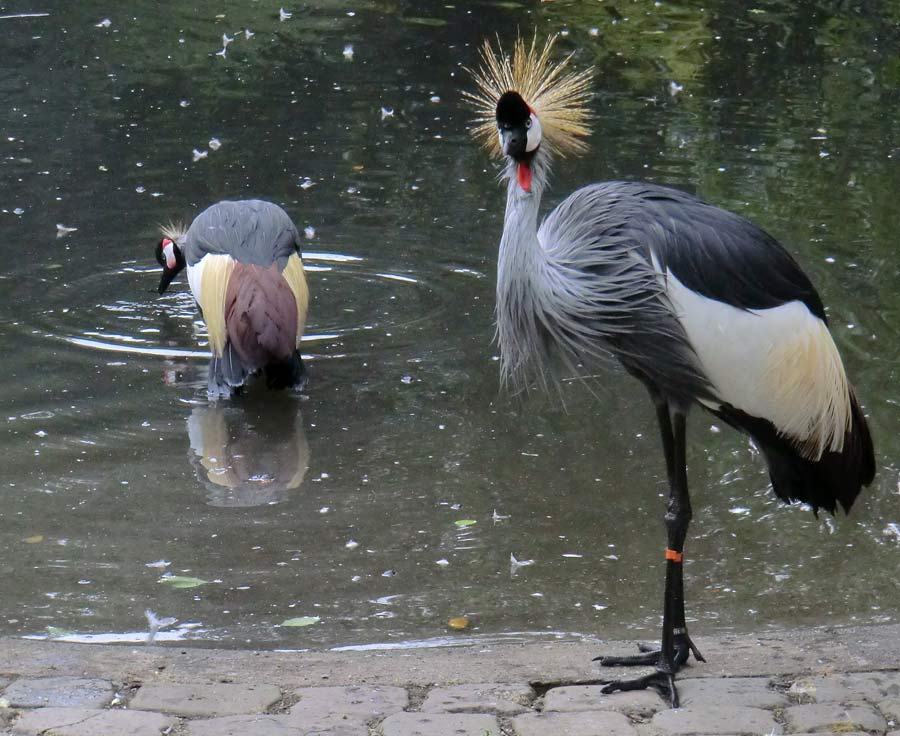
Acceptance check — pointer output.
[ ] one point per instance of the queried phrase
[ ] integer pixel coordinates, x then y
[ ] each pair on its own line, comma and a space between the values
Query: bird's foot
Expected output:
662, 682
682, 648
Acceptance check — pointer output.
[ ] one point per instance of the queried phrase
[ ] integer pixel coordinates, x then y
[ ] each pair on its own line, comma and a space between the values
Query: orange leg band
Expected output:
674, 556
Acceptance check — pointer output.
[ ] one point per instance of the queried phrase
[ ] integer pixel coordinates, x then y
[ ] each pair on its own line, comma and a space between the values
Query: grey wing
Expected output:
712, 251
250, 231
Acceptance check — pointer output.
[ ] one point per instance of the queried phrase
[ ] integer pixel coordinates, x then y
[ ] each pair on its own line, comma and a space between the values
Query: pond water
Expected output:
392, 497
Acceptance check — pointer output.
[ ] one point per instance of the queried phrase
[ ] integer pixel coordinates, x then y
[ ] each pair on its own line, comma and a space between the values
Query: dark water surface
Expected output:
351, 510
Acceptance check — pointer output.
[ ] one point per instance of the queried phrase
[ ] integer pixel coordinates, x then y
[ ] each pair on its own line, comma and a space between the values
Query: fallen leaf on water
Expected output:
463, 523
301, 621
36, 539
459, 623
178, 581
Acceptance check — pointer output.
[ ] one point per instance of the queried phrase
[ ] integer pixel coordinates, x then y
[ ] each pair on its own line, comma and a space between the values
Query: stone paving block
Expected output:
441, 724
59, 692
750, 692
712, 720
91, 722
206, 700
354, 700
479, 698
269, 725
835, 689
833, 717
891, 709
573, 698
584, 723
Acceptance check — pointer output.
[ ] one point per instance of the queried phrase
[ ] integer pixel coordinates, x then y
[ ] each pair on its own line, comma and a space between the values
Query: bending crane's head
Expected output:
169, 255
528, 99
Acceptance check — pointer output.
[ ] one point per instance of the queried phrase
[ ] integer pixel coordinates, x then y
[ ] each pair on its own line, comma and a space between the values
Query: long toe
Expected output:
632, 660
662, 682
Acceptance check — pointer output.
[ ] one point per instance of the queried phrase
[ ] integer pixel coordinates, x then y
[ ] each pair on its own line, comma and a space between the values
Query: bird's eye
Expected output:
528, 124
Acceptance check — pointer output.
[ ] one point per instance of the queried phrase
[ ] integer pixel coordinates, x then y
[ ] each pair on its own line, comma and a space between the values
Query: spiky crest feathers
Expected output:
557, 96
174, 231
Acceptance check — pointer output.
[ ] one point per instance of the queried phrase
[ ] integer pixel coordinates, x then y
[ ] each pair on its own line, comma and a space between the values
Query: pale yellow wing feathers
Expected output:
296, 278
557, 96
217, 271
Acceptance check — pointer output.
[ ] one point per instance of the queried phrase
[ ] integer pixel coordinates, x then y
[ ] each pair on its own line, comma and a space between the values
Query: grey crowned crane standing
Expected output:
697, 303
244, 269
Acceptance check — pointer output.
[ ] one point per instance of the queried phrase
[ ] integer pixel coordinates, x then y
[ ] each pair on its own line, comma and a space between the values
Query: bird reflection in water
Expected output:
248, 455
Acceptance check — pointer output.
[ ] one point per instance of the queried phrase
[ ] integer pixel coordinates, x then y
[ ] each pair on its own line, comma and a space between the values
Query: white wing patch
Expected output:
208, 280
779, 364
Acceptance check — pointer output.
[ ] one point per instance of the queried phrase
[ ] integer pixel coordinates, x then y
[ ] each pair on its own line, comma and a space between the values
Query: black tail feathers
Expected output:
289, 373
835, 478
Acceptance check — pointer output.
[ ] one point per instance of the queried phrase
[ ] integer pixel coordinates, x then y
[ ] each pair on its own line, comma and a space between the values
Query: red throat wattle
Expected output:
523, 174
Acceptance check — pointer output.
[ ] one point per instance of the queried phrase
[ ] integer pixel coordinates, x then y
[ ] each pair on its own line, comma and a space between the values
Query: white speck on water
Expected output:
352, 190
356, 578
442, 562
199, 154
435, 98
84, 581
406, 379
18, 211
105, 23
599, 607
62, 230
159, 564
573, 555
40, 433
309, 232
824, 154
215, 144
184, 103
611, 557
594, 32
140, 189
101, 167
325, 509
283, 14
307, 183
742, 510
351, 13
537, 595
714, 428
387, 112
722, 168
352, 544
348, 52
829, 259
515, 564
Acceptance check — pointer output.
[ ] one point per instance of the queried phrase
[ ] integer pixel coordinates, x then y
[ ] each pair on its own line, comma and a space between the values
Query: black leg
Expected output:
675, 645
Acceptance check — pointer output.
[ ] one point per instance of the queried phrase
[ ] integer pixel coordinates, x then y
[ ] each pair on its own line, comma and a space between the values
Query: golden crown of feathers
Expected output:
558, 97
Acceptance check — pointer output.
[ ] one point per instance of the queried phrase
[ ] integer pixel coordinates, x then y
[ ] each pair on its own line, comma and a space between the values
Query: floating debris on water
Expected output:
515, 564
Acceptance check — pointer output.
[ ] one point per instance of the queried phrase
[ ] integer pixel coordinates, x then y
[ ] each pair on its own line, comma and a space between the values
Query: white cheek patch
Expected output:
534, 134
169, 253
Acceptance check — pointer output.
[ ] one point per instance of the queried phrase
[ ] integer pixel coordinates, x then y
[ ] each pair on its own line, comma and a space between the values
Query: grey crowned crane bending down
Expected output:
697, 303
244, 269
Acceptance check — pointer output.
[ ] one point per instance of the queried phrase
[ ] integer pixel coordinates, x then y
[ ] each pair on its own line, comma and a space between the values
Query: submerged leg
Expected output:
676, 645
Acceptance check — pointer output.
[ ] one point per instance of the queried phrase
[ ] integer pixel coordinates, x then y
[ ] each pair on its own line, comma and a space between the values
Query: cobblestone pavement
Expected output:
58, 691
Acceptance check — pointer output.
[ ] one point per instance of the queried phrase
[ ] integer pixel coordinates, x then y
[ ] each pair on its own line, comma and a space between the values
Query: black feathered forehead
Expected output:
512, 109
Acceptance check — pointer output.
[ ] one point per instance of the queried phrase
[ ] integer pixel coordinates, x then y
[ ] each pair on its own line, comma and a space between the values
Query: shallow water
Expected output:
349, 512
